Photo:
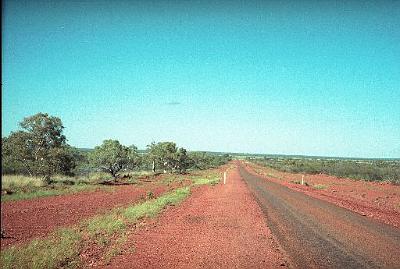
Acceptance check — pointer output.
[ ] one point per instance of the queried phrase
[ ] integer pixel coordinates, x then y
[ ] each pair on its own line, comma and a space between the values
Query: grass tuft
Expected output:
61, 249
320, 187
115, 249
151, 208
105, 225
206, 181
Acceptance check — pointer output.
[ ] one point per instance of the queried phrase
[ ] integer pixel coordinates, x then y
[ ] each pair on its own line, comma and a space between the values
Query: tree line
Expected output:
40, 149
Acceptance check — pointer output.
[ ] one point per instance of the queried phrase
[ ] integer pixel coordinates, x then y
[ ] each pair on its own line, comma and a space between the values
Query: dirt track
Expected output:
216, 227
319, 234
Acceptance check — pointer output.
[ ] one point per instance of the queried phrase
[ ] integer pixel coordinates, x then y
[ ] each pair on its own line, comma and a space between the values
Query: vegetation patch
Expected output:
116, 247
104, 225
206, 181
320, 187
19, 187
152, 207
59, 250
172, 178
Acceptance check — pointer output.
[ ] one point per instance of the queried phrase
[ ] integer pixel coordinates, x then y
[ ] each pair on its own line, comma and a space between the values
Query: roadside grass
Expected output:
199, 177
48, 192
169, 179
152, 208
61, 249
94, 178
19, 181
207, 178
105, 225
206, 181
273, 176
116, 248
320, 187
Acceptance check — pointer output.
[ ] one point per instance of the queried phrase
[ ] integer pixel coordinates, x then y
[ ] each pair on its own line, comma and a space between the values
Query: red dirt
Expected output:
25, 220
216, 227
377, 200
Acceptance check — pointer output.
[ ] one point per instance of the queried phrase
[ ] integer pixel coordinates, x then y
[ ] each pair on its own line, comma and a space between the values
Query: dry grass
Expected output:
20, 187
18, 181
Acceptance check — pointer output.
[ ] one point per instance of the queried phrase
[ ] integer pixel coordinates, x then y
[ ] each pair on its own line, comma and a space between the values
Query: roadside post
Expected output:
225, 177
302, 180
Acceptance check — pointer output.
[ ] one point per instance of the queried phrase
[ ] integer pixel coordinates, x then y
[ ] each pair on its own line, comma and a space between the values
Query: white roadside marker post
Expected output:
225, 177
302, 180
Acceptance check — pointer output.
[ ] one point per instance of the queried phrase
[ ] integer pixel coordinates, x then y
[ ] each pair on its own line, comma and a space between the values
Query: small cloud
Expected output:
173, 103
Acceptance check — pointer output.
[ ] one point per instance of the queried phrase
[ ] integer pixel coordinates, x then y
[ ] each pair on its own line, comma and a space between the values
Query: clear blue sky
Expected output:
291, 77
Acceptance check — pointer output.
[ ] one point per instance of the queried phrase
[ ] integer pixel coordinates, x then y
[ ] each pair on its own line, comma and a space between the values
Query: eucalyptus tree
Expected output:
112, 157
40, 148
167, 156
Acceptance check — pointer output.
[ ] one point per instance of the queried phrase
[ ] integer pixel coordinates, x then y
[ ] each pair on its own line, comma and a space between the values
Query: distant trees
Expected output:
113, 157
204, 160
40, 149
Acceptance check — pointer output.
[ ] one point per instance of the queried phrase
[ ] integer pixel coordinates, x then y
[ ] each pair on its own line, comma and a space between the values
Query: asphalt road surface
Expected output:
318, 234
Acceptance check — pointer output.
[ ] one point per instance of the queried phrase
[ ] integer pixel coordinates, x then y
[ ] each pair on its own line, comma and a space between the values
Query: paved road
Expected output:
318, 234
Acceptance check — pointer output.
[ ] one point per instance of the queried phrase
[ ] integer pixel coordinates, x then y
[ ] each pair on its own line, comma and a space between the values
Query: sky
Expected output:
277, 77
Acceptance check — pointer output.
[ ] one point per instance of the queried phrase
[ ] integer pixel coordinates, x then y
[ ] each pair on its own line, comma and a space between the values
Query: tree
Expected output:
162, 154
182, 161
167, 156
13, 153
40, 148
113, 157
152, 155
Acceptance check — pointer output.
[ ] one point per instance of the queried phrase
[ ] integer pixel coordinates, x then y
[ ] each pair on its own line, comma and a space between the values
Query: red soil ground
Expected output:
377, 200
27, 219
216, 227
